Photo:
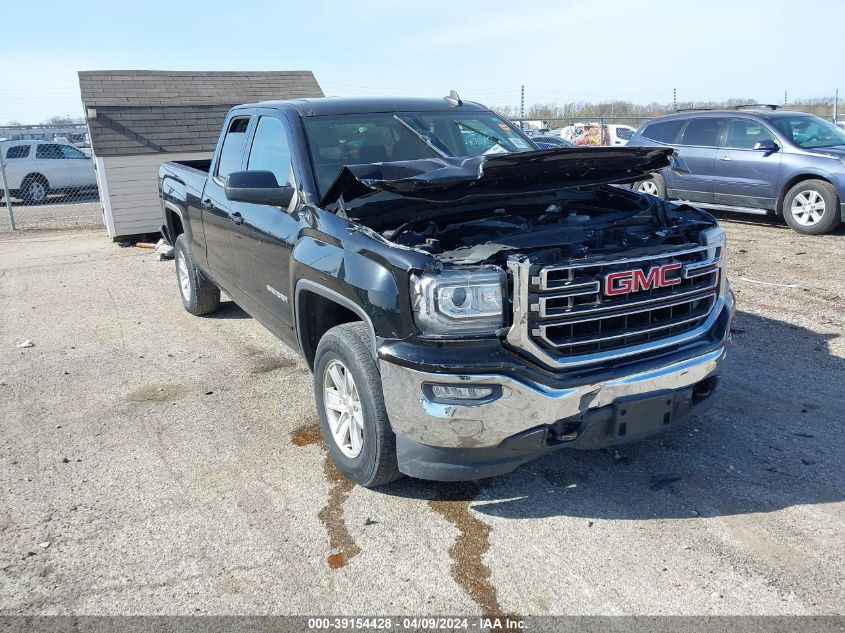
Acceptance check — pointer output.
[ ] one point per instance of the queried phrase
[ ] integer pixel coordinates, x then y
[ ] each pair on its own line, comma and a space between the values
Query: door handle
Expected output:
206, 204
725, 158
237, 218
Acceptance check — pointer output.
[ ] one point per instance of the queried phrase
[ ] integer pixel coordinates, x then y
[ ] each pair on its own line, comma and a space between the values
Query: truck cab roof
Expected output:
362, 105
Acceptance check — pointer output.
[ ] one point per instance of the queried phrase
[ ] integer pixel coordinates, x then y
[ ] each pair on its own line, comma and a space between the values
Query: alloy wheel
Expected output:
808, 207
648, 186
343, 409
184, 276
36, 191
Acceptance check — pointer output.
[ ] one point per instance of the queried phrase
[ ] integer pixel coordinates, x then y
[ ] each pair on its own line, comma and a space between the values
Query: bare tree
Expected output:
63, 120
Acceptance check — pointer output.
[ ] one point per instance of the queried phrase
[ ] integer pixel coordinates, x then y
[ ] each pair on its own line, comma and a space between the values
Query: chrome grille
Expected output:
564, 313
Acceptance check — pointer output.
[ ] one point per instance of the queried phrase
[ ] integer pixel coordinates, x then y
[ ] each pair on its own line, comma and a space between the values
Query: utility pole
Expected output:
674, 98
836, 106
6, 193
785, 100
521, 106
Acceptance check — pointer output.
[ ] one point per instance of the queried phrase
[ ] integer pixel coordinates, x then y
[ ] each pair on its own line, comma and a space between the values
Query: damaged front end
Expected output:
522, 247
470, 211
577, 314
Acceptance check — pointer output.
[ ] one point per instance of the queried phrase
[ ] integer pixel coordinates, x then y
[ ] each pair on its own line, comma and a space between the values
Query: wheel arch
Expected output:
317, 309
794, 180
35, 174
174, 222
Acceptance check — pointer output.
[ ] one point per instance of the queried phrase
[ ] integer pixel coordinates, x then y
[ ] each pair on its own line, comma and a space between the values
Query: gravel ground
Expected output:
155, 462
75, 210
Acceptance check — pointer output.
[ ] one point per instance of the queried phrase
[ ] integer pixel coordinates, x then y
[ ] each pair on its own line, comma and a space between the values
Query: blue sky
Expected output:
561, 51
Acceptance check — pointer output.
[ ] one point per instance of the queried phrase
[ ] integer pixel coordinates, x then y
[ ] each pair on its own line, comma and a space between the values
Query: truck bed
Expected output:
200, 164
185, 176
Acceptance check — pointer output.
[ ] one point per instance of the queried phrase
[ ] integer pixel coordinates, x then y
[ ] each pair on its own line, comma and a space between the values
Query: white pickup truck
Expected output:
596, 133
34, 169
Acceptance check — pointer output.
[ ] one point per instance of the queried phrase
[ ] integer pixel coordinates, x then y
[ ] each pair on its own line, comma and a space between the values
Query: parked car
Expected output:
534, 127
34, 169
597, 133
547, 141
463, 312
768, 161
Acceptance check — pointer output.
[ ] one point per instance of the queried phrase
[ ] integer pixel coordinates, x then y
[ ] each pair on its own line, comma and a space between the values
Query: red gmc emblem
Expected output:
627, 281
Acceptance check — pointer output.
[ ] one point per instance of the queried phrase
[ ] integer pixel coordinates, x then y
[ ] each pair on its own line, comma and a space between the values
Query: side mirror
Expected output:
767, 145
258, 187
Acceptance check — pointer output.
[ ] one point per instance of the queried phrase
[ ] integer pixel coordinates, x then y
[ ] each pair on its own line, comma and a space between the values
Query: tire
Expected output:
199, 294
35, 189
656, 186
812, 207
348, 346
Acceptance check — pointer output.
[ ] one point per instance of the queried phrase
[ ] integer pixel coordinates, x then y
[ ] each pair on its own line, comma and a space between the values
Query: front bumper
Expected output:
525, 419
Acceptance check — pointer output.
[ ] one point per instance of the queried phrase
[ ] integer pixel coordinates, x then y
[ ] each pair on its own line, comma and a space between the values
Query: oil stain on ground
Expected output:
467, 552
261, 361
342, 545
340, 540
164, 392
306, 435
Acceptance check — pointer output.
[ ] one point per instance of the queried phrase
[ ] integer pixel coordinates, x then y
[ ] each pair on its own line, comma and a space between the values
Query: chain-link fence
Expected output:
584, 130
47, 178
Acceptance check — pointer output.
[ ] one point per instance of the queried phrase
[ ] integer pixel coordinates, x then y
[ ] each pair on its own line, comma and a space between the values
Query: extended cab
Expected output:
466, 301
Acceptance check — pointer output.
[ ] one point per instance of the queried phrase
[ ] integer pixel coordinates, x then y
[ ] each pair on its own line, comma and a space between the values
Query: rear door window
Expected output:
746, 133
68, 151
664, 131
49, 151
703, 132
17, 151
233, 145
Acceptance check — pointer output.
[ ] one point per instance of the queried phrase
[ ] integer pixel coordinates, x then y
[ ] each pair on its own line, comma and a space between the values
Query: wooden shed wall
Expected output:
130, 195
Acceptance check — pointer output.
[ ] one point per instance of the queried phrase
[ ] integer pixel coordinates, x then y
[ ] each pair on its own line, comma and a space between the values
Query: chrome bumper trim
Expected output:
521, 406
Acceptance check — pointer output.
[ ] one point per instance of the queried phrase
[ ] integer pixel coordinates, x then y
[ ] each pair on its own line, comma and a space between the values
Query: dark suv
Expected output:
761, 160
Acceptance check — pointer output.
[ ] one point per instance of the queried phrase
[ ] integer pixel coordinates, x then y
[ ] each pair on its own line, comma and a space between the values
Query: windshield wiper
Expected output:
489, 137
422, 137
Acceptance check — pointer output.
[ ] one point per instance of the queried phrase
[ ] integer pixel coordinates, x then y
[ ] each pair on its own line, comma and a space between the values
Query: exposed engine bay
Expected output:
567, 224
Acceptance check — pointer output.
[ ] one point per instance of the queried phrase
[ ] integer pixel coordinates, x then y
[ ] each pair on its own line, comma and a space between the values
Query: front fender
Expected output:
365, 285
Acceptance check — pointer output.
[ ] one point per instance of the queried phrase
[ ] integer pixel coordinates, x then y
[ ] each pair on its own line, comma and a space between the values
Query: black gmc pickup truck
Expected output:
466, 301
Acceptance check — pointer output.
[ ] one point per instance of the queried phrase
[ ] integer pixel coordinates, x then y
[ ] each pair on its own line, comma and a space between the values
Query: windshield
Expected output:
352, 139
809, 131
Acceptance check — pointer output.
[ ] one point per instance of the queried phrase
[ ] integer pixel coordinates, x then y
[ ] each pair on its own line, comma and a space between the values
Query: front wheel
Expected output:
35, 190
812, 207
654, 186
347, 388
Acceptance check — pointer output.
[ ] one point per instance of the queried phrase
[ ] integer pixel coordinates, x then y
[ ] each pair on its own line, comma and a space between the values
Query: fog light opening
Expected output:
704, 389
451, 392
461, 394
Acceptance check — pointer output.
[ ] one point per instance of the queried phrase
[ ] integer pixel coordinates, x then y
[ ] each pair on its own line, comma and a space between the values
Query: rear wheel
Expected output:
812, 207
199, 294
354, 421
654, 186
35, 189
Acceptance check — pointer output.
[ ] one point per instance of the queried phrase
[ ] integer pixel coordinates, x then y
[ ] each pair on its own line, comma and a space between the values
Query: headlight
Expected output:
457, 302
715, 237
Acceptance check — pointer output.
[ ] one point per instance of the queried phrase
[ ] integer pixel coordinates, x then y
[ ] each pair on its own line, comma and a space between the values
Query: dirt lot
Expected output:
154, 462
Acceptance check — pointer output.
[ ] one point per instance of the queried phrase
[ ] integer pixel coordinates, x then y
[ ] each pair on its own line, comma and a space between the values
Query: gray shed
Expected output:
139, 118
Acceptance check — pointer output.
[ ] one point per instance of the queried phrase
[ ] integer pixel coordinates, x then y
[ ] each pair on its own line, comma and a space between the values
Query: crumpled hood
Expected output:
443, 179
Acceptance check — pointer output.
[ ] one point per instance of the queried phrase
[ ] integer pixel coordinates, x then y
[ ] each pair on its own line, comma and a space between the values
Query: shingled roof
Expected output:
150, 111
